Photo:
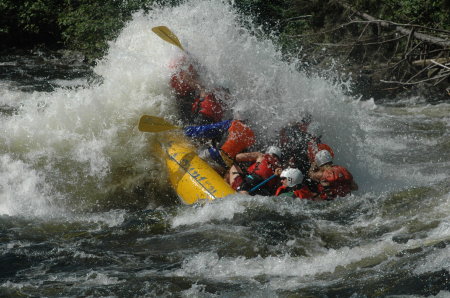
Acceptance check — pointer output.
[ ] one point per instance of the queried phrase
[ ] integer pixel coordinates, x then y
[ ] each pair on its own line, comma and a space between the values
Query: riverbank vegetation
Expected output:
77, 25
386, 48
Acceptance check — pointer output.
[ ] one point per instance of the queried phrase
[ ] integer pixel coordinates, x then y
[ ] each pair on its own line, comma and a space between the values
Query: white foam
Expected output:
228, 207
287, 272
24, 190
70, 83
95, 278
84, 136
223, 210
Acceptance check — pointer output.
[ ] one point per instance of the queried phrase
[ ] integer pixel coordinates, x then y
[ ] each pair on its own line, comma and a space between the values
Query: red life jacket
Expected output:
239, 138
209, 107
280, 190
302, 193
265, 168
182, 69
177, 82
339, 179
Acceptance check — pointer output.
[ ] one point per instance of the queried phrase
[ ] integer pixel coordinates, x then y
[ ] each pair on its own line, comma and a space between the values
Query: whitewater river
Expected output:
86, 210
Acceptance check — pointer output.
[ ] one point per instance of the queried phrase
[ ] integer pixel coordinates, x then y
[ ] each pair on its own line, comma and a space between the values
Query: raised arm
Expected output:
249, 156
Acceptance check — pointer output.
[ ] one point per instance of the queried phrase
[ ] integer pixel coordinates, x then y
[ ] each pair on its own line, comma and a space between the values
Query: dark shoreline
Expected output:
363, 51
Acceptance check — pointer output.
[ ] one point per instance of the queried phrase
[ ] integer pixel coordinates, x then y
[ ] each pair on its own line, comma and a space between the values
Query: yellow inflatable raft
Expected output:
190, 176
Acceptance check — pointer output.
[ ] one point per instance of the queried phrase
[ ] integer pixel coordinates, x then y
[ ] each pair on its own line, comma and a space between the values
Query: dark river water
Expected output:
86, 209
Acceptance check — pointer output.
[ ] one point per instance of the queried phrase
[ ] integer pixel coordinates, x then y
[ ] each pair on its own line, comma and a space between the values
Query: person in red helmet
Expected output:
263, 167
332, 180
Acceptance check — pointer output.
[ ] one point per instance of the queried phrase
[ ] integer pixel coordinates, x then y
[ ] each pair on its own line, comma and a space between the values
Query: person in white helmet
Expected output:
291, 185
263, 167
332, 180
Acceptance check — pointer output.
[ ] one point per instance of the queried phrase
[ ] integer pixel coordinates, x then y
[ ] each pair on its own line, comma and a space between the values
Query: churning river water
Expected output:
86, 210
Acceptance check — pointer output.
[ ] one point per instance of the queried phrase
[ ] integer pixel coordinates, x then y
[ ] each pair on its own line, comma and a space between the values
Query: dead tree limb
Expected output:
445, 75
425, 62
296, 18
420, 36
364, 43
402, 25
441, 65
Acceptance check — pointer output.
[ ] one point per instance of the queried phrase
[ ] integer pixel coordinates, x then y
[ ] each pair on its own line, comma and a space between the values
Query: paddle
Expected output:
149, 123
261, 184
167, 35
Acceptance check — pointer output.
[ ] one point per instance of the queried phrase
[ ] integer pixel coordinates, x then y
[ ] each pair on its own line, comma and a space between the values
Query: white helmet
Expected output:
293, 176
274, 150
323, 157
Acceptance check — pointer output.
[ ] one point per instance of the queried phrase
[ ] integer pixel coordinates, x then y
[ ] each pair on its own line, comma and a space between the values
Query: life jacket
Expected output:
282, 190
182, 70
339, 179
209, 107
240, 137
265, 168
302, 193
181, 87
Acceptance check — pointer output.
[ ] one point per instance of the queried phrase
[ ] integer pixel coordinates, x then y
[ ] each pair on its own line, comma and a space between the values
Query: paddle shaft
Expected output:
261, 184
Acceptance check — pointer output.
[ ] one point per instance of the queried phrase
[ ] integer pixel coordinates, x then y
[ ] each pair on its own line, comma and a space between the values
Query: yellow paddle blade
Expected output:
167, 35
149, 123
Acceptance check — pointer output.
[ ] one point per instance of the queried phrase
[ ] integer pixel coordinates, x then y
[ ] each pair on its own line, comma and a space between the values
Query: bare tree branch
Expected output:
444, 75
296, 18
441, 65
420, 36
402, 25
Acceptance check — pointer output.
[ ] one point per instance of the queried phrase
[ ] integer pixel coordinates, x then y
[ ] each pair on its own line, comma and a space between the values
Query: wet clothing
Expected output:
266, 167
200, 110
184, 90
238, 181
339, 180
180, 85
208, 107
238, 138
303, 193
260, 171
209, 131
194, 107
181, 78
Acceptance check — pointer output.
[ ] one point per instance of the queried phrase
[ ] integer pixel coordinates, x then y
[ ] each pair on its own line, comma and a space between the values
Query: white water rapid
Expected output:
77, 150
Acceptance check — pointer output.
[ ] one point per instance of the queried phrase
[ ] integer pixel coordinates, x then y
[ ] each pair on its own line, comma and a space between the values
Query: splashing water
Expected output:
75, 170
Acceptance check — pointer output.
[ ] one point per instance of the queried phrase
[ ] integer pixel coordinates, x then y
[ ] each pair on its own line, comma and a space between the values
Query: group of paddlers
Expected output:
298, 164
